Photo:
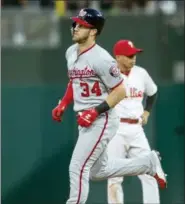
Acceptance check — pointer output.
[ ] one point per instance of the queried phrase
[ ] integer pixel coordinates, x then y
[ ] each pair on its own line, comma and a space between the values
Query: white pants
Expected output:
130, 141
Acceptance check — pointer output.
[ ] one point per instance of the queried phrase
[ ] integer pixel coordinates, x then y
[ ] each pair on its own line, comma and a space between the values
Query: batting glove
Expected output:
87, 117
58, 111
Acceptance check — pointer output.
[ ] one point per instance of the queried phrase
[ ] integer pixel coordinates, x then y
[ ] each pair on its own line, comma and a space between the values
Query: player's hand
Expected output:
87, 117
145, 117
58, 111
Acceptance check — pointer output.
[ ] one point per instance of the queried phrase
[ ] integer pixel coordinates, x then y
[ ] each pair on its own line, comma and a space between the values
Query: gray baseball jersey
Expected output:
94, 72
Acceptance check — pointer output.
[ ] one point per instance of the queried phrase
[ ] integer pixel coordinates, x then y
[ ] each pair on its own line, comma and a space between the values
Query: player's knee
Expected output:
95, 177
76, 168
98, 175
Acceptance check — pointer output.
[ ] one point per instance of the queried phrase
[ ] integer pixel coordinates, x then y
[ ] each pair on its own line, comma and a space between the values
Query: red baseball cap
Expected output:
126, 48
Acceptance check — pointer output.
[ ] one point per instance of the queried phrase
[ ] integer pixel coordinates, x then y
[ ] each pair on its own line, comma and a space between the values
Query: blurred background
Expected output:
35, 150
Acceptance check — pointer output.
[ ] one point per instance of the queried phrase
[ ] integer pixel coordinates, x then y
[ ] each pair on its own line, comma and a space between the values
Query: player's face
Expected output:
127, 62
80, 34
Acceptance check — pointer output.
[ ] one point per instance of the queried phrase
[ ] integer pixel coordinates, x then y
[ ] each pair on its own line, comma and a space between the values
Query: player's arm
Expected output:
111, 77
63, 103
68, 96
116, 95
86, 118
150, 100
151, 96
58, 111
150, 91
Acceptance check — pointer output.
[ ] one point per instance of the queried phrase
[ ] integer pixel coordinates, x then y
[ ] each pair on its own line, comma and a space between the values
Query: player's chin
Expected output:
75, 39
130, 66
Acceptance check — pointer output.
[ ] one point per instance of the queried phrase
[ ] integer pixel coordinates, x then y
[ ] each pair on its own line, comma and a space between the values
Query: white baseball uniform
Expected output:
94, 73
130, 140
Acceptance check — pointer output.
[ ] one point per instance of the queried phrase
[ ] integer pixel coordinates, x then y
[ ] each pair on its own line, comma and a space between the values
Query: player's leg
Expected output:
114, 191
140, 146
146, 164
116, 149
105, 168
91, 143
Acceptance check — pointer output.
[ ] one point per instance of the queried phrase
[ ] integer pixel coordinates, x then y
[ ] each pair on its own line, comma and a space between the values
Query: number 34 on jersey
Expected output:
88, 91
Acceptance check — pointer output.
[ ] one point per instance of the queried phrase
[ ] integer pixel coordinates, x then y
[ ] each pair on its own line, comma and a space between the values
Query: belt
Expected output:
129, 120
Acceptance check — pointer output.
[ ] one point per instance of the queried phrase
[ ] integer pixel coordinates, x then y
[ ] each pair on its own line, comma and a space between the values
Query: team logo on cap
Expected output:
114, 71
131, 44
82, 13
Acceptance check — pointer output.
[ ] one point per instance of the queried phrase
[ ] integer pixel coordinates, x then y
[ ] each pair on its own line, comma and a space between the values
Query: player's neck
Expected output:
124, 70
85, 46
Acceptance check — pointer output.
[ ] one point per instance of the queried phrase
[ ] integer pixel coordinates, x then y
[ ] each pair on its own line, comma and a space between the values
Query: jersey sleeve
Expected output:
150, 86
109, 73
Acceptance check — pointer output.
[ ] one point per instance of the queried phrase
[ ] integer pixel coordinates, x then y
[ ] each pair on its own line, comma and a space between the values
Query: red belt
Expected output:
128, 120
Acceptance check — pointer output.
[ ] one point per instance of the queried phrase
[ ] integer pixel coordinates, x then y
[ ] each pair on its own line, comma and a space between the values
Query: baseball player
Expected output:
130, 140
95, 87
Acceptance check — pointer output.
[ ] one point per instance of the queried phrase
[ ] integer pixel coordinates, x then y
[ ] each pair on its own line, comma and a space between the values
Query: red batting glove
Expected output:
87, 117
58, 111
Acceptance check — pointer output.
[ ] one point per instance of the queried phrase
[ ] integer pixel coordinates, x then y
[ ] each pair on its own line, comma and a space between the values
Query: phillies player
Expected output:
96, 87
130, 140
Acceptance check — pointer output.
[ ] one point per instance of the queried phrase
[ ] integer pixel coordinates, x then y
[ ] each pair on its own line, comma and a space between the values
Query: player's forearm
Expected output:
68, 96
150, 100
116, 96
113, 99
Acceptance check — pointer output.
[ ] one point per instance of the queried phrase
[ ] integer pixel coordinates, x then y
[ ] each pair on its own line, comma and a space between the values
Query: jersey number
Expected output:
86, 91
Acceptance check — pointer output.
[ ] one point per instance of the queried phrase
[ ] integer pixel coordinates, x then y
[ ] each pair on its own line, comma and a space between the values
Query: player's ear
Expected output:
94, 32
